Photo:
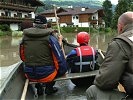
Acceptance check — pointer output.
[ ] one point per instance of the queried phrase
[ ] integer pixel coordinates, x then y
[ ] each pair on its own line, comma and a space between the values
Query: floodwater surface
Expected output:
9, 46
9, 55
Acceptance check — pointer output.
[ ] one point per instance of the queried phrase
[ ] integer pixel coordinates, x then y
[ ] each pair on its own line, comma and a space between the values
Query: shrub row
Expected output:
87, 29
5, 30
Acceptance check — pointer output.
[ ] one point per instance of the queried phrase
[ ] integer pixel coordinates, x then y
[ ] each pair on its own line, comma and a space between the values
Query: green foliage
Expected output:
122, 6
17, 33
66, 3
5, 27
2, 33
5, 30
69, 29
107, 8
86, 29
108, 30
80, 29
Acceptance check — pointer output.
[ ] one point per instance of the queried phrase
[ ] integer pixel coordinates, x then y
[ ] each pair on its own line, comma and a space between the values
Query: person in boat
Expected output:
117, 66
82, 58
26, 24
39, 58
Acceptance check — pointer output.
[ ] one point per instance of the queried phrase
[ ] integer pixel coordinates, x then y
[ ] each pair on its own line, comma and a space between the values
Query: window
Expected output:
93, 18
19, 15
75, 17
29, 15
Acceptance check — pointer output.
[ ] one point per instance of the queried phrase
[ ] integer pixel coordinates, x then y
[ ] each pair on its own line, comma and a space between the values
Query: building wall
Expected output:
49, 15
53, 19
12, 13
2, 11
95, 17
65, 19
24, 14
84, 24
32, 14
14, 26
75, 20
83, 18
63, 24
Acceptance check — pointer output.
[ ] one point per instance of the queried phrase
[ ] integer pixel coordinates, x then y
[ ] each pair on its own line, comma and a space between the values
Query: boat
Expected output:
17, 87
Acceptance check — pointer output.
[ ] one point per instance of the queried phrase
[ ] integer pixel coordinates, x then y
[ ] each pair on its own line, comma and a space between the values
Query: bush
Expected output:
2, 33
85, 29
108, 30
5, 27
69, 29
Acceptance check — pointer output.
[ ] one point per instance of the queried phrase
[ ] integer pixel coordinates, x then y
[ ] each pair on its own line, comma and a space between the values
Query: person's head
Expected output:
40, 21
83, 38
26, 24
125, 19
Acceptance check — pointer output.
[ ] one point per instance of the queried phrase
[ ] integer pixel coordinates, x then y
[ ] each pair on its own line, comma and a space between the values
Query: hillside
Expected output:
74, 3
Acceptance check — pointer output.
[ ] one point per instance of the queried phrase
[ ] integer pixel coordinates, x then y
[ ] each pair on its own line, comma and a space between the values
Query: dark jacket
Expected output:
118, 63
39, 64
37, 50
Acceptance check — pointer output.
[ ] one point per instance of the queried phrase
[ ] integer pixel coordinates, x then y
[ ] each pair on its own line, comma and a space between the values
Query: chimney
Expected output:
83, 9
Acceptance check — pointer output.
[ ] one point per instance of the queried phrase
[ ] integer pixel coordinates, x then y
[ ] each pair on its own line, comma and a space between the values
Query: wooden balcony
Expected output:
95, 21
11, 6
12, 19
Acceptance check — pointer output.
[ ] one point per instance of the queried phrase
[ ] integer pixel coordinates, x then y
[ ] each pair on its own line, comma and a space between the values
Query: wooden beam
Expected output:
25, 89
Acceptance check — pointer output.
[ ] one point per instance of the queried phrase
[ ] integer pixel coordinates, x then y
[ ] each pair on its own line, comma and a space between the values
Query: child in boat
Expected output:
82, 58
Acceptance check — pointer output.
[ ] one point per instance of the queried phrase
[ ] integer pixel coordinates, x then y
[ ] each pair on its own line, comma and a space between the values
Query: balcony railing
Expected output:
96, 21
4, 5
13, 19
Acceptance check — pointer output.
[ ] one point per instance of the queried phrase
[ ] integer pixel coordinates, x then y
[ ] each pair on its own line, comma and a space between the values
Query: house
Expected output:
50, 14
77, 17
13, 12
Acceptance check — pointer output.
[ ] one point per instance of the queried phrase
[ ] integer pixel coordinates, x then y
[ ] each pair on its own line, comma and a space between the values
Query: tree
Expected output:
107, 8
131, 5
122, 6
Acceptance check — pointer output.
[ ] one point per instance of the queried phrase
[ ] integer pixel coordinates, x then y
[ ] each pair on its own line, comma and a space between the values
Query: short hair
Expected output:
126, 18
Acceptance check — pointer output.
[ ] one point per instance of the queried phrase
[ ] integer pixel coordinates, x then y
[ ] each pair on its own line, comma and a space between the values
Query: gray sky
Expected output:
114, 1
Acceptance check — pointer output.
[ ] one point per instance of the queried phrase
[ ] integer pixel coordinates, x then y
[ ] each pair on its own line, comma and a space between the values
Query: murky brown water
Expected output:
9, 49
9, 54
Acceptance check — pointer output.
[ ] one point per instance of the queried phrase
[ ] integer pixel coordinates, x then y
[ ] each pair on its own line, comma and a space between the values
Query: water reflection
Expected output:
9, 49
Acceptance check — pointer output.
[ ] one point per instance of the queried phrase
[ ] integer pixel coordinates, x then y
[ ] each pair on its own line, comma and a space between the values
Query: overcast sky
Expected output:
114, 1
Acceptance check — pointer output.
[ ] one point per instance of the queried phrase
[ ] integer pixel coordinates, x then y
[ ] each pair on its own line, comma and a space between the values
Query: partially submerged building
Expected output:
13, 12
77, 17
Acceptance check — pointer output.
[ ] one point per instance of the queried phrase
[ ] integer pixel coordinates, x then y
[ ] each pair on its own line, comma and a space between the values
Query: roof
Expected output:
77, 11
50, 11
35, 3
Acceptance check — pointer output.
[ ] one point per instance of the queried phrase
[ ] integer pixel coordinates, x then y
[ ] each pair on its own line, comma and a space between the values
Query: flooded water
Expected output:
9, 51
9, 55
9, 46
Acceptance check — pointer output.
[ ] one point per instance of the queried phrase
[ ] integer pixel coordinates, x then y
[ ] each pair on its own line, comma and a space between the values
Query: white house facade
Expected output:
13, 12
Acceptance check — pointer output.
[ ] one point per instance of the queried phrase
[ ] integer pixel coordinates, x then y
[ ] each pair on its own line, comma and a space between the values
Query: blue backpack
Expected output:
57, 51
